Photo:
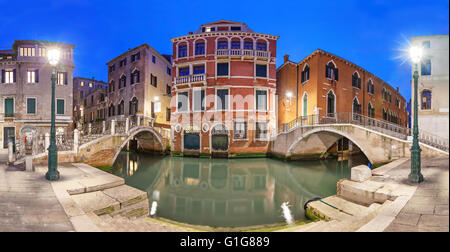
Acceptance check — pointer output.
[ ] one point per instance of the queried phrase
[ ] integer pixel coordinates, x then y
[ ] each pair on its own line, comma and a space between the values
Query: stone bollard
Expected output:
104, 127
127, 125
47, 141
29, 154
89, 128
113, 127
76, 137
11, 157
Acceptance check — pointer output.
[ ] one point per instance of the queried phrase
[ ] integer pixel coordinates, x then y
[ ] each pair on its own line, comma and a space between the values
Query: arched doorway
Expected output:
331, 101
219, 138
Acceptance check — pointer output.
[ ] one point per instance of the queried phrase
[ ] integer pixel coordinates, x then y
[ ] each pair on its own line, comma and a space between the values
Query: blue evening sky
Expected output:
371, 34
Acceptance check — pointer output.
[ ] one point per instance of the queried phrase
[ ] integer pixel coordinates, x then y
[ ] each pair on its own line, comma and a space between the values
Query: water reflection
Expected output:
235, 192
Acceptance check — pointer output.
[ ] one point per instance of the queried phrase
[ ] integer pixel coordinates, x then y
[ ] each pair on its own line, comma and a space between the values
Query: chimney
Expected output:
190, 33
397, 89
286, 58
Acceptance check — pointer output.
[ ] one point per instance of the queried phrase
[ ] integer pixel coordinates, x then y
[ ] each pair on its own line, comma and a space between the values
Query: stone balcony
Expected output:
190, 79
242, 53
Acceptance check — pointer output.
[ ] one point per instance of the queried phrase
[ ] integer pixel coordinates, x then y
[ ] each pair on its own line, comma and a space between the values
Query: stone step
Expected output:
135, 210
324, 211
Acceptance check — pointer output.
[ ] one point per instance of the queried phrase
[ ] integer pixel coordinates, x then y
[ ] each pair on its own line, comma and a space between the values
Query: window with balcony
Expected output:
182, 51
183, 71
305, 74
182, 101
261, 100
222, 99
248, 44
33, 75
222, 69
200, 48
61, 78
60, 106
426, 67
426, 100
222, 44
199, 69
8, 75
261, 46
31, 106
261, 131
199, 100
236, 44
331, 72
261, 70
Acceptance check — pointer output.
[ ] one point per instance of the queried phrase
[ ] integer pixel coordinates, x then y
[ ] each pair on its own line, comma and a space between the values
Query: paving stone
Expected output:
394, 227
407, 219
418, 208
441, 210
434, 220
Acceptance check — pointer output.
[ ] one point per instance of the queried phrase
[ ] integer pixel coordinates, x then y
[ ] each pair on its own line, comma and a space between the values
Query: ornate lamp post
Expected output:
415, 176
53, 174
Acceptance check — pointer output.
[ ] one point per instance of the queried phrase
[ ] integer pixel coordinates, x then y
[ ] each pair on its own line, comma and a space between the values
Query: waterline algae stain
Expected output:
231, 192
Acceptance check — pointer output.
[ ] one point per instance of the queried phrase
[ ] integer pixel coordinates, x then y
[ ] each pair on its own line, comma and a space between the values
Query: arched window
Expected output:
121, 108
370, 87
200, 47
111, 111
305, 104
356, 106
222, 43
305, 74
112, 86
261, 45
426, 99
235, 43
331, 104
133, 106
123, 81
135, 76
248, 44
356, 80
385, 115
331, 72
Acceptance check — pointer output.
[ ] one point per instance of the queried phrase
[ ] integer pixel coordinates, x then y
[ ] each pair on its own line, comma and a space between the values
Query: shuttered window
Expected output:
261, 100
222, 69
9, 107
261, 70
59, 106
31, 105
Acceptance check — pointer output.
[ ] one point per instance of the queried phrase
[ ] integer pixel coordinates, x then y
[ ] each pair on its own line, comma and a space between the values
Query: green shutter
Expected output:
9, 107
60, 107
31, 106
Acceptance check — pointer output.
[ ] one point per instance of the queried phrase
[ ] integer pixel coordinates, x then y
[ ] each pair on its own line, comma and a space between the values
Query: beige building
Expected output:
25, 90
89, 100
140, 84
433, 85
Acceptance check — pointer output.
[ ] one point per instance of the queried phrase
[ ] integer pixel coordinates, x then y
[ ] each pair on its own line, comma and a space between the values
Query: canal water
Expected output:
231, 192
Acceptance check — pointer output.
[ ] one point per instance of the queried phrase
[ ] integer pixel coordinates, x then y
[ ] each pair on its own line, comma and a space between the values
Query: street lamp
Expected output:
53, 174
415, 176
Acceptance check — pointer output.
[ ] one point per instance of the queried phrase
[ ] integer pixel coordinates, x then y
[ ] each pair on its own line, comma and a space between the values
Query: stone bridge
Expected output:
381, 142
99, 144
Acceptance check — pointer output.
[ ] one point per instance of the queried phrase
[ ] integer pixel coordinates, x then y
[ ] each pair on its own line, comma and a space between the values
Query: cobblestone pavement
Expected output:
427, 210
28, 203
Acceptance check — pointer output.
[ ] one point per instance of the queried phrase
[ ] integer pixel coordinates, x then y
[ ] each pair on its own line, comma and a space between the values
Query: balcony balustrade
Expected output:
242, 53
189, 79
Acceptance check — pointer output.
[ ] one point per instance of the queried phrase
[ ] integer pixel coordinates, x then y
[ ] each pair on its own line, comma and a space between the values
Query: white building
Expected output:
433, 85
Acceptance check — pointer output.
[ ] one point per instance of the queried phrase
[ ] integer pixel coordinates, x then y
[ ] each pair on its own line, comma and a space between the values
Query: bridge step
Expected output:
327, 212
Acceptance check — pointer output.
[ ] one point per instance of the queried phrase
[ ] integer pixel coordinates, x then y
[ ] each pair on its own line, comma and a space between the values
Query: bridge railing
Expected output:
377, 125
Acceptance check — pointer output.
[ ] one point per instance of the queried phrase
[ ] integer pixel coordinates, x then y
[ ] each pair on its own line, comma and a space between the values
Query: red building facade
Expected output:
325, 84
223, 92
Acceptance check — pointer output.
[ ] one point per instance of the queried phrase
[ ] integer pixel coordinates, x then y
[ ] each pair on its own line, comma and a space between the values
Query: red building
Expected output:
223, 92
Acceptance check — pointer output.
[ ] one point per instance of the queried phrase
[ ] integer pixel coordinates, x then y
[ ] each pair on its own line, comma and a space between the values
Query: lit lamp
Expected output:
415, 176
289, 96
52, 173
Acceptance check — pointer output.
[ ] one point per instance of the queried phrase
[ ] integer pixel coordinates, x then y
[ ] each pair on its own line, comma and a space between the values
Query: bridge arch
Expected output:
337, 133
133, 133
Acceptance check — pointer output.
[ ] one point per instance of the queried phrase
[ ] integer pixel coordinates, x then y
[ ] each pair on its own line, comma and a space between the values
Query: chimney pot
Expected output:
286, 58
190, 33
